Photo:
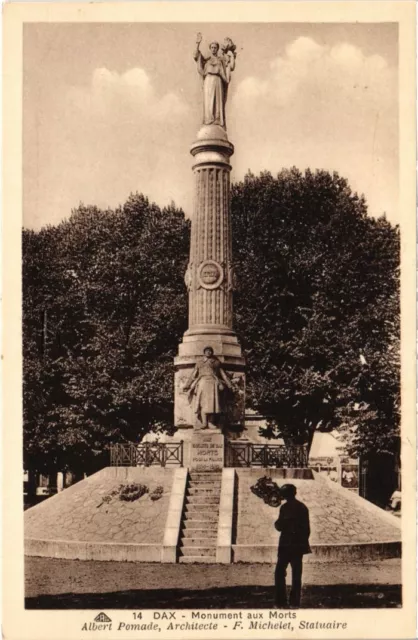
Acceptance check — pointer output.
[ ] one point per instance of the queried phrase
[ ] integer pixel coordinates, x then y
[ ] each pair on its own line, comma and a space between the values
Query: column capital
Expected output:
212, 146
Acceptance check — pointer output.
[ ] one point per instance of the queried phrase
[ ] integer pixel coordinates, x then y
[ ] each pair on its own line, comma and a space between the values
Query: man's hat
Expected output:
288, 490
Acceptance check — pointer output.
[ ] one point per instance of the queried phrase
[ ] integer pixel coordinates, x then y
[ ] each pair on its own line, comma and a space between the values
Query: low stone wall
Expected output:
321, 553
174, 515
93, 550
226, 517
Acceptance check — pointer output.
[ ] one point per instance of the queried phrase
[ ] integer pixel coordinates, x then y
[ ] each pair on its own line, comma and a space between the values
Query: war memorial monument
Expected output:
210, 391
196, 503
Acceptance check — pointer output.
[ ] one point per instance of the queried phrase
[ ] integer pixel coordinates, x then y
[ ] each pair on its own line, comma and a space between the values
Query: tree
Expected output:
317, 295
104, 309
316, 311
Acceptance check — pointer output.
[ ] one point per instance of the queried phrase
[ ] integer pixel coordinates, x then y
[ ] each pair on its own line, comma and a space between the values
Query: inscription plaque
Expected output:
207, 451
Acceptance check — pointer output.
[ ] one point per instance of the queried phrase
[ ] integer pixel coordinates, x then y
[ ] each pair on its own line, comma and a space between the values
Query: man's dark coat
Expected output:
293, 523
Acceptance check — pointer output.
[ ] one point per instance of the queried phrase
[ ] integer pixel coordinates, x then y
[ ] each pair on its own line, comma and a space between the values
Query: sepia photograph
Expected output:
212, 256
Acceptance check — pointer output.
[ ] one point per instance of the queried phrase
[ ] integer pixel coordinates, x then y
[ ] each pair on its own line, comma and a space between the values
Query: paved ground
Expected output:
71, 584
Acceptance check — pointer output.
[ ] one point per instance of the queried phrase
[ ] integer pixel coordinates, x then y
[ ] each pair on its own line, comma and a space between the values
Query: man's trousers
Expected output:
285, 558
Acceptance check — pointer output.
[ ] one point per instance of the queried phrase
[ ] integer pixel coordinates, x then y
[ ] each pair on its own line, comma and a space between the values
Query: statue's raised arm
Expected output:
216, 72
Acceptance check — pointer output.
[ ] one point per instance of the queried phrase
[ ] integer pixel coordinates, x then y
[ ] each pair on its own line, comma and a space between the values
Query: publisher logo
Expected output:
102, 622
102, 617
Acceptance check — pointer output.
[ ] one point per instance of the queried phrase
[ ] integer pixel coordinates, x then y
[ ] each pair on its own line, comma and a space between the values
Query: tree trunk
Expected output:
32, 484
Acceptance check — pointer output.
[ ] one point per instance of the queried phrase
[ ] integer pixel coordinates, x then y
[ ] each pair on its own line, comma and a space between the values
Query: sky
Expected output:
110, 109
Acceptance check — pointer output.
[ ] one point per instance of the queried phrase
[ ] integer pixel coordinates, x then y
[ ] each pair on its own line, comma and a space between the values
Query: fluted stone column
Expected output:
209, 276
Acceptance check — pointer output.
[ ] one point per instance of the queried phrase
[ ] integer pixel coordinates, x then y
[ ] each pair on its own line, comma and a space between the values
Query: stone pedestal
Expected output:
207, 450
210, 278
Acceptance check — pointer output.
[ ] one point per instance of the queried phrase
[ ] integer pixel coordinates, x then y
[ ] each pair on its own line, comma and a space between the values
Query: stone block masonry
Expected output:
343, 525
194, 521
79, 522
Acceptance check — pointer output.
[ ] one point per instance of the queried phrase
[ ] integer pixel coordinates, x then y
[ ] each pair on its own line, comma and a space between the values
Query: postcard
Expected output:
208, 346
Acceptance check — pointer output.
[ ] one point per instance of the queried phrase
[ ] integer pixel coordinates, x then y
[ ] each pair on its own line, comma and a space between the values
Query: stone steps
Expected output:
200, 511
205, 476
205, 490
198, 559
194, 529
203, 499
199, 523
199, 550
199, 530
199, 541
203, 518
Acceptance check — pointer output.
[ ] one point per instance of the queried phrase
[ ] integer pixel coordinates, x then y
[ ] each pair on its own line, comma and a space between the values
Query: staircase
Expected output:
199, 528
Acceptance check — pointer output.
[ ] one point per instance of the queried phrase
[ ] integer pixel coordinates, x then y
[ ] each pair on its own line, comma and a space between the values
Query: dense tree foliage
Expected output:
104, 310
317, 308
316, 311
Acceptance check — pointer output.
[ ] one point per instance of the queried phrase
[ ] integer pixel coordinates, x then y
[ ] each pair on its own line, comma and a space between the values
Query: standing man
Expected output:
293, 524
